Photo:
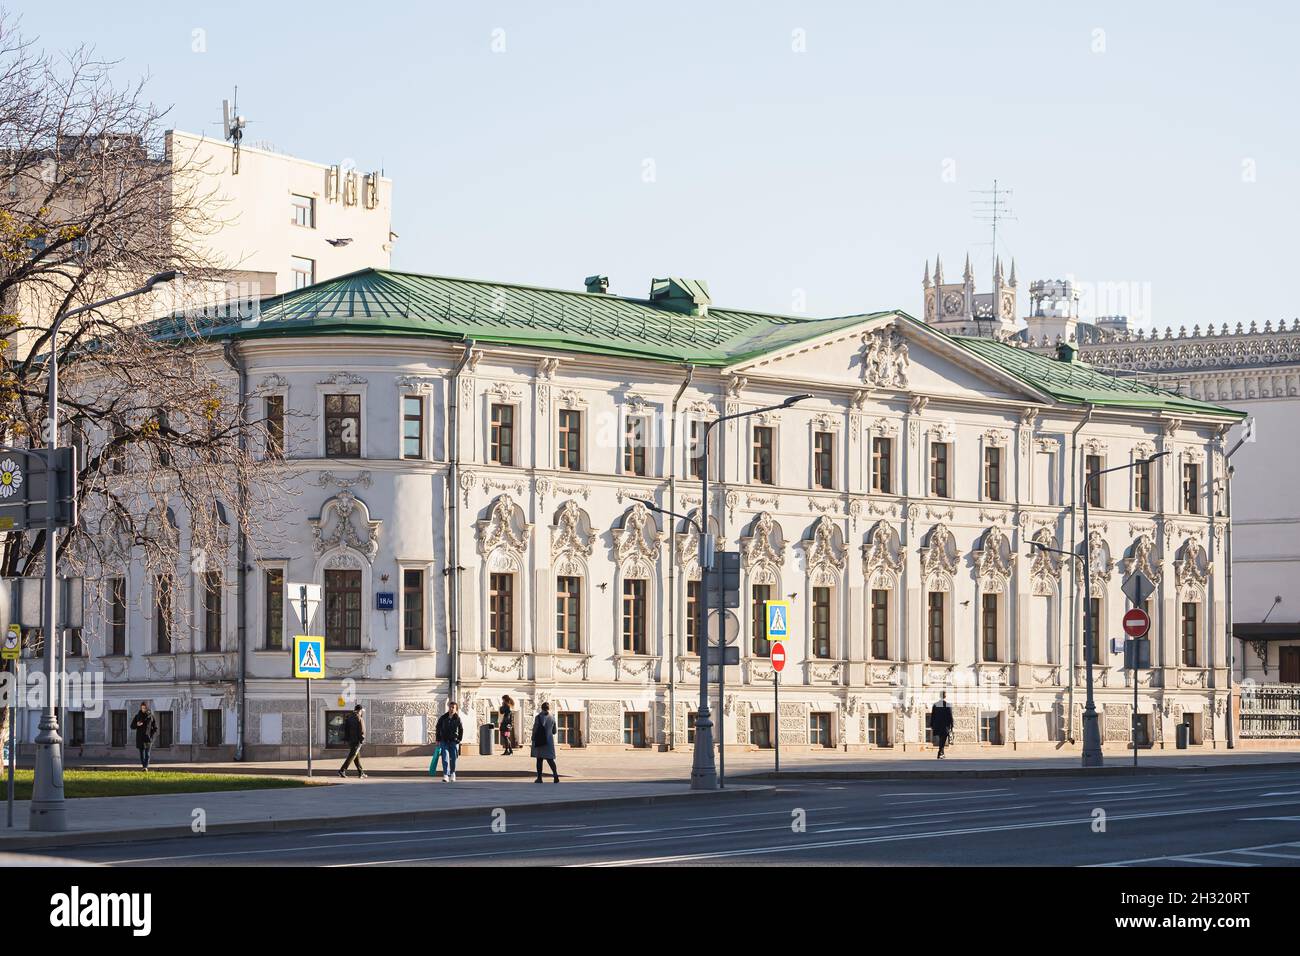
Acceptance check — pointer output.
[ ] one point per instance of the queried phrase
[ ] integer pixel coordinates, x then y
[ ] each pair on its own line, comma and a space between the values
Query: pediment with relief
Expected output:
345, 521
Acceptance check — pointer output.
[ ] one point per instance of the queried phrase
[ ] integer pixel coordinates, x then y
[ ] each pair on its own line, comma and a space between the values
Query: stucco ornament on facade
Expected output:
1045, 568
1192, 567
884, 358
1097, 554
345, 521
762, 551
824, 552
1142, 557
993, 562
939, 557
504, 527
881, 555
572, 539
636, 543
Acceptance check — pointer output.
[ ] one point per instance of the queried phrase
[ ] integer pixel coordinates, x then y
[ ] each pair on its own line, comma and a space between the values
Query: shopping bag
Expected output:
433, 764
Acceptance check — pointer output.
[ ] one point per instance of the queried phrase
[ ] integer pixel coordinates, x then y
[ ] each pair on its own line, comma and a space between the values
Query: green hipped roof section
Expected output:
406, 304
383, 302
1077, 383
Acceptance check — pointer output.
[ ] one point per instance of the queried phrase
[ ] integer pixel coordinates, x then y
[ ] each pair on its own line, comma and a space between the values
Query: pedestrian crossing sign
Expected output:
308, 657
778, 620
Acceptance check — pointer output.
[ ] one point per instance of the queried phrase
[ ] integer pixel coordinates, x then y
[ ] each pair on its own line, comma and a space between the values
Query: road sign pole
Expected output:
303, 595
776, 703
13, 747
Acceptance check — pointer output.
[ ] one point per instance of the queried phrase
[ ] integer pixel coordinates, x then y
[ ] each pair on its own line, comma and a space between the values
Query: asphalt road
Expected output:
1219, 819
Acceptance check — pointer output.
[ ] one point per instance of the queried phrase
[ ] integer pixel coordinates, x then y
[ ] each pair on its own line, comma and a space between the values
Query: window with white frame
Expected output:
992, 473
822, 643
763, 455
502, 438
304, 271
882, 457
879, 624
1191, 488
342, 425
569, 440
634, 444
939, 461
412, 609
1189, 633
412, 426
568, 613
823, 460
1092, 469
302, 211
1142, 485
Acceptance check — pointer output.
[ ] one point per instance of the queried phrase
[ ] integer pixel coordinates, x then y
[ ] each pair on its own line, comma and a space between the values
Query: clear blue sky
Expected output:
774, 170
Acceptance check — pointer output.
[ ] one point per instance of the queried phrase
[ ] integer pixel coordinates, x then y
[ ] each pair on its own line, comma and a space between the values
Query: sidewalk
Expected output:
674, 766
351, 803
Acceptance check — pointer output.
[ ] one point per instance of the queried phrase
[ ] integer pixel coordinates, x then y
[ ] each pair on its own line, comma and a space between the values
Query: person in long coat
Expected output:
543, 747
941, 723
507, 725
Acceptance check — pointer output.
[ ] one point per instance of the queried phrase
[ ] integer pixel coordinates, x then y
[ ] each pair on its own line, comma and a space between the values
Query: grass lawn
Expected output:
130, 783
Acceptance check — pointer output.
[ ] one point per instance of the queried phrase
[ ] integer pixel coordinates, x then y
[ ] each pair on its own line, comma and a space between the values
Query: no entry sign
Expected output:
1136, 622
778, 657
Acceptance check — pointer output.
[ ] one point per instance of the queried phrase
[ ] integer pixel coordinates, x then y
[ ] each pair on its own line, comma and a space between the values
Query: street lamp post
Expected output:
1248, 434
1091, 731
47, 807
704, 772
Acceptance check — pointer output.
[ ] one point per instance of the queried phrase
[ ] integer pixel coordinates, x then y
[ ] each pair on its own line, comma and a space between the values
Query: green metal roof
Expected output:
383, 302
1077, 383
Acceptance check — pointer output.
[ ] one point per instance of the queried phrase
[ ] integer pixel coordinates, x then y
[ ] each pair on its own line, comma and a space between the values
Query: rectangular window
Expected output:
336, 729
116, 453
568, 614
1189, 634
166, 729
697, 449
634, 445
164, 426
76, 646
501, 611
1192, 489
882, 455
819, 730
989, 626
759, 595
343, 610
304, 271
117, 728
693, 616
116, 616
1142, 486
302, 211
935, 625
273, 583
343, 426
162, 613
503, 434
762, 455
993, 474
634, 615
821, 622
412, 426
880, 624
76, 728
570, 440
1091, 467
824, 460
760, 730
212, 611
878, 730
1094, 622
634, 729
691, 719
213, 732
273, 417
412, 609
568, 728
991, 728
939, 469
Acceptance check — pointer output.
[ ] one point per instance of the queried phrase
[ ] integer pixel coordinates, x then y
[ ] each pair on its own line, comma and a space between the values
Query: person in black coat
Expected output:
941, 723
354, 733
448, 733
145, 726
507, 725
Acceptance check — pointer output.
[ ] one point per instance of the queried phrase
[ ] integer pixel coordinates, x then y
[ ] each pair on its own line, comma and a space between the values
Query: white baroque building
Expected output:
475, 451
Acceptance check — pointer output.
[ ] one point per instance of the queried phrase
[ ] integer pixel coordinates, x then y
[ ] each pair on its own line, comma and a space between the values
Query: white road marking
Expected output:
959, 813
1209, 862
764, 813
1156, 859
1281, 856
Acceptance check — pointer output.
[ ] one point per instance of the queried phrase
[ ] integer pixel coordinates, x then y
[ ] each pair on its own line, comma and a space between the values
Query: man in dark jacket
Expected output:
354, 732
941, 723
448, 733
145, 726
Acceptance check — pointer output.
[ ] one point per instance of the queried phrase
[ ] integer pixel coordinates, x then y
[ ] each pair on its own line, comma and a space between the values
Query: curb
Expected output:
322, 774
100, 837
1006, 774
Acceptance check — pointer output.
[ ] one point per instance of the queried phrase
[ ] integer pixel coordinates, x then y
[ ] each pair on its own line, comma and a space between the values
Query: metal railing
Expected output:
1270, 710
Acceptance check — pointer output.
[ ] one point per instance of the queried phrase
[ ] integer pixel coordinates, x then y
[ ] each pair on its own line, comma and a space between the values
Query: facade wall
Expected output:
379, 515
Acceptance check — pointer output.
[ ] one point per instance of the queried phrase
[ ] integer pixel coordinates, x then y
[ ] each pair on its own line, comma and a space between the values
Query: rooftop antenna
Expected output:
232, 127
993, 210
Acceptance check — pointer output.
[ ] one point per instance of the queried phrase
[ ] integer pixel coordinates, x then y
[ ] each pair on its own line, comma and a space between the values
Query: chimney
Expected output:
597, 284
1067, 352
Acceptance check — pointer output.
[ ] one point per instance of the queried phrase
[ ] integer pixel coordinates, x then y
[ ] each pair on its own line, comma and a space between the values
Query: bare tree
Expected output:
91, 206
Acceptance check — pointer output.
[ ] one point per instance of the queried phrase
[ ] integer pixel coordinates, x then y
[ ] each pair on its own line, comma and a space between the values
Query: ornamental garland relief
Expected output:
993, 562
636, 543
504, 527
345, 522
881, 552
572, 539
824, 553
1045, 568
763, 549
1193, 567
1142, 558
939, 556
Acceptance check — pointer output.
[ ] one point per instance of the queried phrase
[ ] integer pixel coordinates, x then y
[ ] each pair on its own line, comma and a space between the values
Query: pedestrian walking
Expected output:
507, 725
354, 733
544, 743
941, 723
145, 726
448, 732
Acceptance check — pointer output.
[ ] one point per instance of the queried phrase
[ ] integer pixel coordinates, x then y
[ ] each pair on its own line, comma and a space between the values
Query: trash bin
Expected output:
485, 740
1181, 735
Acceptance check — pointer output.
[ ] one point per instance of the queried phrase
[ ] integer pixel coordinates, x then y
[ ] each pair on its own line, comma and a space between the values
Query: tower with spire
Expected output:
956, 308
